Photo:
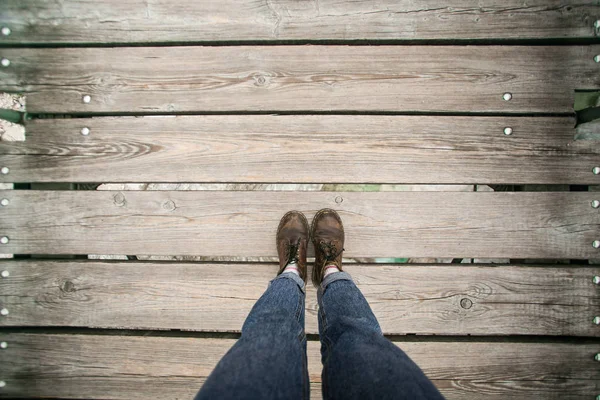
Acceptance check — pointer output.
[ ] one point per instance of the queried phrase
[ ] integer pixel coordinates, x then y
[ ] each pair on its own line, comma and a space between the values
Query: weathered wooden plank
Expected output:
230, 223
437, 300
123, 367
136, 21
302, 148
301, 78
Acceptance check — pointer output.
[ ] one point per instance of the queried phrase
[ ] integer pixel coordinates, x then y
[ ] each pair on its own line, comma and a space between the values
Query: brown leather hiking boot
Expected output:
292, 241
327, 234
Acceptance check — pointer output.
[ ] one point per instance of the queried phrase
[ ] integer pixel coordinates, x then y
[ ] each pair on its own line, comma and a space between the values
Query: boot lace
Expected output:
329, 251
293, 251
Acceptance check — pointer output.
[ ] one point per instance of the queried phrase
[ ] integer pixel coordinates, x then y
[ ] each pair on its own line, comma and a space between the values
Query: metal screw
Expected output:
597, 357
5, 62
597, 24
4, 312
4, 239
339, 199
5, 30
2, 384
596, 244
508, 131
595, 203
85, 131
5, 274
4, 170
597, 320
596, 170
507, 96
4, 202
596, 280
597, 58
87, 98
3, 345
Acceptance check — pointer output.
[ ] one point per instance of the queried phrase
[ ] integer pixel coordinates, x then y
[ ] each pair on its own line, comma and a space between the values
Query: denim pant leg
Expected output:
358, 361
269, 359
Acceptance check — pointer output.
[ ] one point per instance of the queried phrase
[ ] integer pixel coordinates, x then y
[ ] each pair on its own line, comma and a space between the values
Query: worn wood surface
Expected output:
433, 299
122, 367
136, 21
302, 148
302, 78
230, 223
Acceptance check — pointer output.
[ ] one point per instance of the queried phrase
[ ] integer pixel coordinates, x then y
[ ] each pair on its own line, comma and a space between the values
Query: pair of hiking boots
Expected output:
327, 233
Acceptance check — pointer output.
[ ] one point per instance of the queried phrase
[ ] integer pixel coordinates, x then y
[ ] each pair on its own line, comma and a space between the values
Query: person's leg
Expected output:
269, 360
358, 361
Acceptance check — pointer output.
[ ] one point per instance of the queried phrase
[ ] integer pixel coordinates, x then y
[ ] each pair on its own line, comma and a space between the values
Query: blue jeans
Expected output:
269, 360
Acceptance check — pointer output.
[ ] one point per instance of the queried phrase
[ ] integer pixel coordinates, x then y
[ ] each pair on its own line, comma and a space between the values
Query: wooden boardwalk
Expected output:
299, 92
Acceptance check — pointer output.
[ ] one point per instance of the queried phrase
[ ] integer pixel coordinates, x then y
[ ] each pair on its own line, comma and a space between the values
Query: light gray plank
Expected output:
425, 300
136, 21
301, 78
122, 367
302, 148
229, 223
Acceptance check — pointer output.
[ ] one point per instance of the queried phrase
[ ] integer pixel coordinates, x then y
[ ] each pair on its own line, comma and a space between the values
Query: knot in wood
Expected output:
466, 303
260, 80
119, 199
68, 287
169, 205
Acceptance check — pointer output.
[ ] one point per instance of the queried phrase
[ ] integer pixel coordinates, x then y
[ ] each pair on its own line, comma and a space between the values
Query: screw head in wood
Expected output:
508, 131
4, 312
87, 98
596, 170
597, 24
4, 170
595, 203
2, 384
597, 58
5, 62
5, 30
85, 131
339, 199
4, 239
507, 96
5, 274
597, 320
596, 244
3, 345
4, 202
596, 280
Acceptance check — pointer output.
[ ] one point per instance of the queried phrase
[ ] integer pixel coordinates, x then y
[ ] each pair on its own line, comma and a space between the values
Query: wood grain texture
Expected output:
269, 148
378, 224
302, 78
427, 300
136, 21
122, 367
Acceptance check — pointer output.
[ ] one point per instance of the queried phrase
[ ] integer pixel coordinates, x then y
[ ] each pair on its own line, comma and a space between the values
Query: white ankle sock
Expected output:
292, 267
330, 269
